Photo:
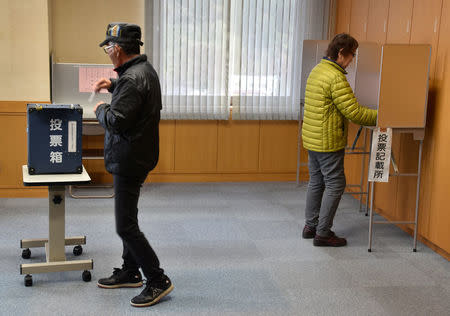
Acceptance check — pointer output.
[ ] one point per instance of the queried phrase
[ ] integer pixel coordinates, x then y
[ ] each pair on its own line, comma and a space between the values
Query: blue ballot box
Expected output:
54, 138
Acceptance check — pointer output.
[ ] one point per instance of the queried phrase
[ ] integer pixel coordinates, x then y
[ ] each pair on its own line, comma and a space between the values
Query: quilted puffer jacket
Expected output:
329, 104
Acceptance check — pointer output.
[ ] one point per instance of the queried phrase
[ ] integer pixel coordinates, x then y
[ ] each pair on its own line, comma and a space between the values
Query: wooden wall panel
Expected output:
386, 193
426, 19
80, 25
358, 19
344, 10
278, 149
377, 21
196, 146
424, 30
97, 171
439, 219
408, 160
14, 149
238, 146
166, 161
435, 218
399, 23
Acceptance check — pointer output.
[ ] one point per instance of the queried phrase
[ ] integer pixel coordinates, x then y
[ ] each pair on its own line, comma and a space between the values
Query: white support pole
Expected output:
416, 217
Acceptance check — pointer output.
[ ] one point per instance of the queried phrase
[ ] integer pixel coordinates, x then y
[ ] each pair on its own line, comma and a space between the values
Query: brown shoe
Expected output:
329, 241
308, 232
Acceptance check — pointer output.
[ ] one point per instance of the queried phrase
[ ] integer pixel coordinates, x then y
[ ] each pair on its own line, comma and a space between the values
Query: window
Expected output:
211, 55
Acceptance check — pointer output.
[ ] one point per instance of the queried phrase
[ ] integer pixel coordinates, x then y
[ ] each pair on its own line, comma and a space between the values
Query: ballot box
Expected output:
54, 138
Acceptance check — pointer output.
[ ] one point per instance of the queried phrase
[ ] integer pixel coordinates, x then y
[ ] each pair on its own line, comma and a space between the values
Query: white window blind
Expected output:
190, 54
266, 54
245, 53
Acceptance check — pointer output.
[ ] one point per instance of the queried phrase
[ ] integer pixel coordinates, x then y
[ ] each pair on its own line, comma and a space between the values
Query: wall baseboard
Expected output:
220, 177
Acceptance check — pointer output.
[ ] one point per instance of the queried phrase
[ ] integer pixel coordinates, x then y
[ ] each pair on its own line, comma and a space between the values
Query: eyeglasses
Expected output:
107, 48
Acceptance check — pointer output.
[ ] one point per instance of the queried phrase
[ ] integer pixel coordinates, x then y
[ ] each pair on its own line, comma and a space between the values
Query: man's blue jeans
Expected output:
325, 188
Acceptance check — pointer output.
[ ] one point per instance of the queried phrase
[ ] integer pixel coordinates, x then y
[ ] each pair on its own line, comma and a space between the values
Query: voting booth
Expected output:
402, 107
72, 83
393, 79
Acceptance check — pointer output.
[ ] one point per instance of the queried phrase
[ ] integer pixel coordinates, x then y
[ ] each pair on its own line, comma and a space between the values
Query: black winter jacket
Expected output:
131, 121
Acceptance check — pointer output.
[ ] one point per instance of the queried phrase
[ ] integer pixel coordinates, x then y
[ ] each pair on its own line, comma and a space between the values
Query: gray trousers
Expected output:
325, 188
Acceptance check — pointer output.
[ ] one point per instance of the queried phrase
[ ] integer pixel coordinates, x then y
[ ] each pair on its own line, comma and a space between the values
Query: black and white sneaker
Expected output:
121, 278
153, 292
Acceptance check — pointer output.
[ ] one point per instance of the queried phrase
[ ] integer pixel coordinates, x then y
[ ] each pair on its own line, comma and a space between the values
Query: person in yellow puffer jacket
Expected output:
329, 105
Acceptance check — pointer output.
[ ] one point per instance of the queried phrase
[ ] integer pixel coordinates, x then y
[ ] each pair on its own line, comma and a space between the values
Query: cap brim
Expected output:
104, 42
118, 40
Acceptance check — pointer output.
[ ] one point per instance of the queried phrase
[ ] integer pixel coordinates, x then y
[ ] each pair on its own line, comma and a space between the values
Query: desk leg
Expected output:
56, 233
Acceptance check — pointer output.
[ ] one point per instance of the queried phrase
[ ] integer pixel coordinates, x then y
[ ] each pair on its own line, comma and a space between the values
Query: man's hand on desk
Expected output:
103, 83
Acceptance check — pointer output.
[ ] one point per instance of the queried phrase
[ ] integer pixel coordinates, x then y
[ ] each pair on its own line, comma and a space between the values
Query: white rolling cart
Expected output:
56, 241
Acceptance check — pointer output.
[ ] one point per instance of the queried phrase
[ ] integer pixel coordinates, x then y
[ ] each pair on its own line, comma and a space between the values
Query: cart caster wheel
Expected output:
369, 250
77, 250
26, 253
414, 250
86, 276
28, 280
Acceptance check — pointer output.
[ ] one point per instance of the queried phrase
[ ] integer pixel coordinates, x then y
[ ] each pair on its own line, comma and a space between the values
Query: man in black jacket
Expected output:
131, 152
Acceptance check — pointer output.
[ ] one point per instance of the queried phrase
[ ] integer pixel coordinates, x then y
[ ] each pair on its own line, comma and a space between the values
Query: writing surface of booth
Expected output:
54, 138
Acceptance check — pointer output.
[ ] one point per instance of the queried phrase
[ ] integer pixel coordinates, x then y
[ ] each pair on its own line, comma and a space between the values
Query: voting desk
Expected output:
72, 83
56, 242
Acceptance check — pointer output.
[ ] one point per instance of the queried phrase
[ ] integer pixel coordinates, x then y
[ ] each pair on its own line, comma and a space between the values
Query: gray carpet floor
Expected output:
230, 249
